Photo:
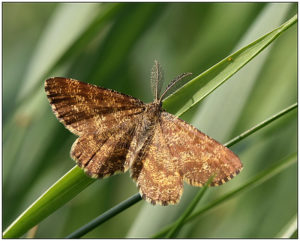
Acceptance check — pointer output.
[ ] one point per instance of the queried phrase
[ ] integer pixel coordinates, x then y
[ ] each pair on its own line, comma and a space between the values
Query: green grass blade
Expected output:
257, 180
289, 229
295, 234
80, 43
201, 86
179, 223
57, 195
106, 216
261, 125
106, 13
131, 25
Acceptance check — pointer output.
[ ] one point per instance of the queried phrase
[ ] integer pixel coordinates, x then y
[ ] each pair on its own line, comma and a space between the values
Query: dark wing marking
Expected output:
84, 108
103, 155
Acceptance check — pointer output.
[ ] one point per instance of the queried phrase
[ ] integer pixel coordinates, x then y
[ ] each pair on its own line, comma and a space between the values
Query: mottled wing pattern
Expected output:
156, 173
84, 108
102, 155
199, 156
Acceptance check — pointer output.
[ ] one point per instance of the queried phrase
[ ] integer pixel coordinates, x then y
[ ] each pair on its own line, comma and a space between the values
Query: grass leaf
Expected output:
201, 86
290, 228
106, 216
57, 195
179, 223
255, 181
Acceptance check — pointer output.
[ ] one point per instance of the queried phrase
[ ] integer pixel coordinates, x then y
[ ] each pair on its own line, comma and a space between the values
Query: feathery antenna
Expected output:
173, 82
156, 79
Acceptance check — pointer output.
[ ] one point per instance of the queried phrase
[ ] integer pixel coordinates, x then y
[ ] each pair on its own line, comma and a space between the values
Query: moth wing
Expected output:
84, 108
199, 156
155, 173
103, 155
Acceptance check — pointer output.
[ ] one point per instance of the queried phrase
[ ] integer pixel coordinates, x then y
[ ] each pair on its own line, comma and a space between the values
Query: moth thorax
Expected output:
151, 114
153, 108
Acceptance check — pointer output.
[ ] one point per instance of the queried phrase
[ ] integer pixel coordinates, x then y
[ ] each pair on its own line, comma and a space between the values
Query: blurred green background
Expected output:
113, 45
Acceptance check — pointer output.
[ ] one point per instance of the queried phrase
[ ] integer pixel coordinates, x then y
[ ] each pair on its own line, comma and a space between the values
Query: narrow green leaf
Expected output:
179, 223
289, 229
106, 216
54, 41
106, 13
257, 180
260, 125
201, 86
131, 25
109, 11
58, 194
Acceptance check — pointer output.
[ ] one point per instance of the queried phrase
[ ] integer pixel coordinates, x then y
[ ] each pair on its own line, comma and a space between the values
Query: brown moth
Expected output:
117, 132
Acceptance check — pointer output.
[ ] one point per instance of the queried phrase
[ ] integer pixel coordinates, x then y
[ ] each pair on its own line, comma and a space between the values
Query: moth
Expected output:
117, 133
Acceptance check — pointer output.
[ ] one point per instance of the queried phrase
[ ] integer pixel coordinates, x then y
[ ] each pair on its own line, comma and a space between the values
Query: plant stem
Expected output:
179, 223
260, 125
106, 216
258, 179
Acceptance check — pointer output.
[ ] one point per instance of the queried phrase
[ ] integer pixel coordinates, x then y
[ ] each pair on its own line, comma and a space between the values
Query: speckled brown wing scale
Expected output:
103, 119
196, 155
118, 132
157, 174
177, 152
83, 107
